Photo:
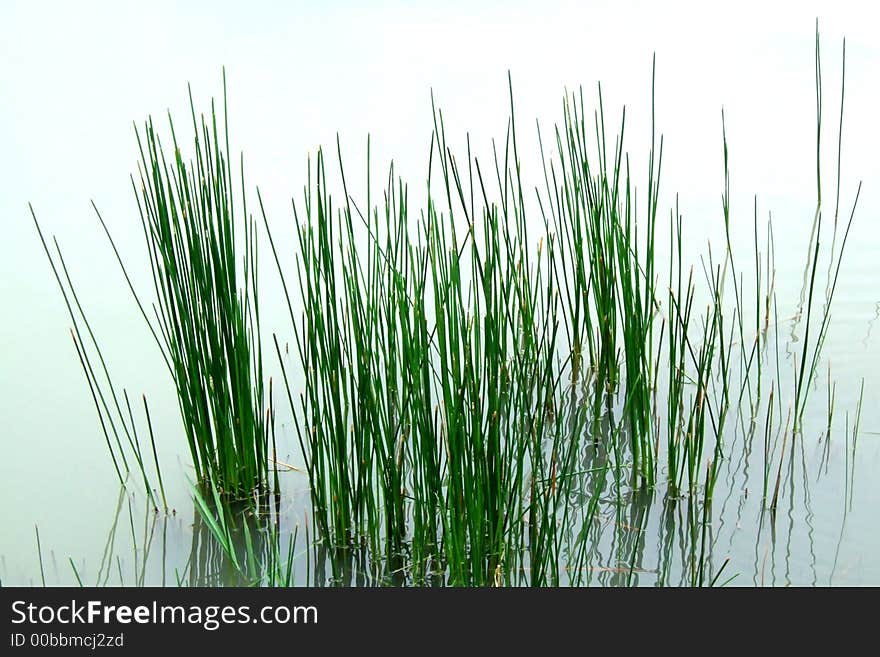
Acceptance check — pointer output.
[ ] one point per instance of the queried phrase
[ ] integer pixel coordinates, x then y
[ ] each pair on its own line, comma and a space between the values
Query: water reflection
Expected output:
627, 537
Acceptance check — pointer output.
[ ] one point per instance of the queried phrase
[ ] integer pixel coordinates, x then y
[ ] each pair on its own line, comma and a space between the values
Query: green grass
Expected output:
483, 378
458, 366
203, 255
118, 427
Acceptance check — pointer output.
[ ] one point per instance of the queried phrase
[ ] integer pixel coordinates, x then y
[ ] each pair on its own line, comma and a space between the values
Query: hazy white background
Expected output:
74, 75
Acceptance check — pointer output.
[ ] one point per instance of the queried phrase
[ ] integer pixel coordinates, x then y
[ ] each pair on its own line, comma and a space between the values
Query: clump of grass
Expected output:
203, 256
456, 368
433, 418
202, 250
607, 278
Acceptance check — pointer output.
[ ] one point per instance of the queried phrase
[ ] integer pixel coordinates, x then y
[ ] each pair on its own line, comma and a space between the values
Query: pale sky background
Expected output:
74, 75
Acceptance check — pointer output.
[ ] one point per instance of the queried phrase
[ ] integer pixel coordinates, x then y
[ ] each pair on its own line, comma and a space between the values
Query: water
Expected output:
55, 471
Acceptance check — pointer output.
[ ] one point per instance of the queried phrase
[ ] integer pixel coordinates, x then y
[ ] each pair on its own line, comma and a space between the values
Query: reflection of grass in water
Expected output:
125, 559
231, 548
